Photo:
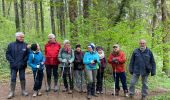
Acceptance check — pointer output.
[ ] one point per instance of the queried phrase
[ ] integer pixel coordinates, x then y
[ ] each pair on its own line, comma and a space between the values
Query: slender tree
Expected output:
17, 22
36, 16
42, 17
52, 16
22, 16
3, 8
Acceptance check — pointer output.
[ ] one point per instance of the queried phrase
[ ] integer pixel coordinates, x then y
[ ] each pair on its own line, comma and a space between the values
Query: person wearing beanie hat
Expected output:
66, 57
117, 59
79, 73
92, 61
52, 48
36, 61
100, 71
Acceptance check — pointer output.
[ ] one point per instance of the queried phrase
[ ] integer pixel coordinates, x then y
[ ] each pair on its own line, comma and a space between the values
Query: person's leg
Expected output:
98, 81
144, 86
70, 75
76, 80
124, 84
89, 83
35, 88
23, 81
116, 83
133, 82
13, 75
40, 79
55, 74
93, 92
101, 82
48, 72
65, 79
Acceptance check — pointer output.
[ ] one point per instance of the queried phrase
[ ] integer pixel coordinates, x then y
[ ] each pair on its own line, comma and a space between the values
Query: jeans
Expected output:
79, 79
67, 73
14, 74
122, 77
38, 77
49, 70
133, 82
91, 75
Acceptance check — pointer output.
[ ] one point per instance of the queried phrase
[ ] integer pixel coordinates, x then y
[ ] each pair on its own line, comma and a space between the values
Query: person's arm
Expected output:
86, 61
110, 59
153, 64
131, 65
8, 54
30, 61
121, 59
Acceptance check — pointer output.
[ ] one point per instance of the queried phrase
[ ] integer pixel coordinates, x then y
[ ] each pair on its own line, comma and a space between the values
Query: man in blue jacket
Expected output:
17, 55
142, 64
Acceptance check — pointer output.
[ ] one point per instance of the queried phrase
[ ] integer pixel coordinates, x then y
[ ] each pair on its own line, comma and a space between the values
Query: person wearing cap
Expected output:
100, 71
17, 56
79, 77
36, 62
66, 57
117, 59
142, 63
52, 48
91, 60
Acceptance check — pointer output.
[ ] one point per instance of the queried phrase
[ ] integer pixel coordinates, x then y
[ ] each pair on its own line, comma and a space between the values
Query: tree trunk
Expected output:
52, 16
17, 24
86, 4
62, 19
42, 17
36, 16
165, 38
3, 8
22, 16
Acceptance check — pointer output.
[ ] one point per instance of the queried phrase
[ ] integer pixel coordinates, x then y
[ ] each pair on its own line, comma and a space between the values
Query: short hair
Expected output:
142, 40
51, 35
18, 34
66, 41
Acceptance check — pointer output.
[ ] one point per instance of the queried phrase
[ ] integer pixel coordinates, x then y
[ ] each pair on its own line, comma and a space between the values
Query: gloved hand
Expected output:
64, 60
38, 66
95, 61
92, 62
114, 60
42, 63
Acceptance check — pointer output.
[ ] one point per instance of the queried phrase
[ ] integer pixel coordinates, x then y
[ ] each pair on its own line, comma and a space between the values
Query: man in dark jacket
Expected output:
17, 55
142, 64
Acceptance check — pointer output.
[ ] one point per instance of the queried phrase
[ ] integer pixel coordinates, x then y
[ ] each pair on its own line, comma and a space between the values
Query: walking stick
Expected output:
81, 79
71, 76
45, 80
61, 76
115, 82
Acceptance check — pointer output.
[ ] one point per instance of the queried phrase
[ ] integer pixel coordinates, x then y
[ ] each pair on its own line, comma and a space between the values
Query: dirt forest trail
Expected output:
4, 88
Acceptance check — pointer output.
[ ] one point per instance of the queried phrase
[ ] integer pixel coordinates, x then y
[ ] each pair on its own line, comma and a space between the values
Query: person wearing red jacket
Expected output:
117, 59
51, 61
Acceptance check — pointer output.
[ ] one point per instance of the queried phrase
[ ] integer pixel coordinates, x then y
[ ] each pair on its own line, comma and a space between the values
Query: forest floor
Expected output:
4, 89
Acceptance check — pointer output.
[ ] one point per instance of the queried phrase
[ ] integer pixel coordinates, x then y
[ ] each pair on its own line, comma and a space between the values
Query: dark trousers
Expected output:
38, 77
69, 74
122, 77
99, 85
49, 70
14, 74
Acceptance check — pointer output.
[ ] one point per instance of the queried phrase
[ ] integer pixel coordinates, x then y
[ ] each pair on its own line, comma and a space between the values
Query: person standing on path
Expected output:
142, 63
17, 55
52, 48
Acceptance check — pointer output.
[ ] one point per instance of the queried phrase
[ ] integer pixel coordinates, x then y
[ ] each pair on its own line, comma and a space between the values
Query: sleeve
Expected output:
26, 54
8, 54
152, 61
86, 61
30, 58
131, 65
72, 56
59, 55
122, 58
110, 59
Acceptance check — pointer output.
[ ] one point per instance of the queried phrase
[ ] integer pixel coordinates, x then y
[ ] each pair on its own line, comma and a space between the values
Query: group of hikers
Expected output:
85, 68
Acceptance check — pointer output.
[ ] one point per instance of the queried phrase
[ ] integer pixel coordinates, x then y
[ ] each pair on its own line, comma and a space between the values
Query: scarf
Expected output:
67, 49
102, 55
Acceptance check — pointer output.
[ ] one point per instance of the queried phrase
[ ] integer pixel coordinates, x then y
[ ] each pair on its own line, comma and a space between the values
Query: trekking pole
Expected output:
71, 76
81, 79
45, 80
115, 82
61, 76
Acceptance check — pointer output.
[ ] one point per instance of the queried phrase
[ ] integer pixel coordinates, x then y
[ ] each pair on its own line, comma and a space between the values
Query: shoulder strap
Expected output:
33, 58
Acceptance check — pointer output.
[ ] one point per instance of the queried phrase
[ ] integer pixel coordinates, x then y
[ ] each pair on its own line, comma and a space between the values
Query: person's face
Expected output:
142, 43
50, 39
78, 49
116, 49
20, 38
100, 51
38, 47
90, 49
67, 45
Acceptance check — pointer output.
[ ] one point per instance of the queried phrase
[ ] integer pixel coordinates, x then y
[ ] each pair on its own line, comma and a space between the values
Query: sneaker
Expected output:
55, 88
97, 92
65, 90
88, 97
126, 95
101, 92
70, 92
34, 94
39, 93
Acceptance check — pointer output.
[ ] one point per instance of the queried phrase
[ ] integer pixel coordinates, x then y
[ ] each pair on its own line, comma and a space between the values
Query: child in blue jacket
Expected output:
36, 62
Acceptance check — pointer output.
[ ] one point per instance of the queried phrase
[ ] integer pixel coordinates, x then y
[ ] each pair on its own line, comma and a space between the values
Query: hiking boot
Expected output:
143, 98
88, 97
24, 93
117, 92
12, 89
101, 92
70, 92
35, 94
126, 95
97, 92
55, 88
